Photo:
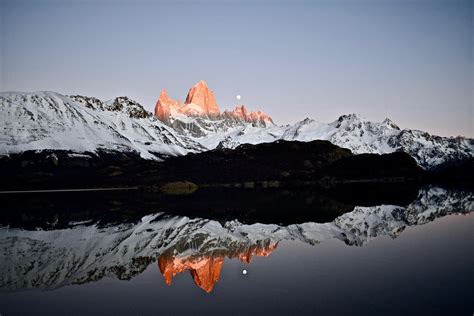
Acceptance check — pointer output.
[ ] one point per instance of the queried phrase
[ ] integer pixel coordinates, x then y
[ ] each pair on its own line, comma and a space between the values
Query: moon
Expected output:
238, 96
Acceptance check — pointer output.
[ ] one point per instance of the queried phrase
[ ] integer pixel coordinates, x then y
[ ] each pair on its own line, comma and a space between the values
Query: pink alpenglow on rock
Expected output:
201, 102
164, 105
243, 114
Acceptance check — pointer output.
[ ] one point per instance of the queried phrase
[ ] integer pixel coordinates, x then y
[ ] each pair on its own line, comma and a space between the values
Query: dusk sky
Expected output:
411, 61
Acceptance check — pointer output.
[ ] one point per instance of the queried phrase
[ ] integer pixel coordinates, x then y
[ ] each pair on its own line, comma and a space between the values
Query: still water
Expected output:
382, 259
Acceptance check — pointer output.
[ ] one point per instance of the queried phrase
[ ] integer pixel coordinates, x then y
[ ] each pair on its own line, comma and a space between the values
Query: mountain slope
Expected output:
354, 133
48, 120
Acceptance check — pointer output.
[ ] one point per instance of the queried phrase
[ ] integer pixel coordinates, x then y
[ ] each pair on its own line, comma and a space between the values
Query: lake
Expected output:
413, 258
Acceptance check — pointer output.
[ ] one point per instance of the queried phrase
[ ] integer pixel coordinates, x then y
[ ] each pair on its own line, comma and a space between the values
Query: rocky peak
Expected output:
201, 102
164, 106
349, 117
120, 104
89, 102
261, 117
349, 122
241, 113
129, 106
307, 121
203, 99
388, 122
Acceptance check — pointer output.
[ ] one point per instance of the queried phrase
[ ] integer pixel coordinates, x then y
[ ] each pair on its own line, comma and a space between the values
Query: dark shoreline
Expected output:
281, 164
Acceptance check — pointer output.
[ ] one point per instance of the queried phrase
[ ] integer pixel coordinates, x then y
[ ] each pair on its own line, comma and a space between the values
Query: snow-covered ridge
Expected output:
48, 120
86, 252
348, 131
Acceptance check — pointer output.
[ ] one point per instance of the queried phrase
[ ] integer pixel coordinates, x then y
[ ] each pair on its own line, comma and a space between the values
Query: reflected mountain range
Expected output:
85, 251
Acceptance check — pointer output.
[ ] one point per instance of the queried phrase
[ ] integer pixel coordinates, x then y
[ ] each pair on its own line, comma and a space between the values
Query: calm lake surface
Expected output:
384, 259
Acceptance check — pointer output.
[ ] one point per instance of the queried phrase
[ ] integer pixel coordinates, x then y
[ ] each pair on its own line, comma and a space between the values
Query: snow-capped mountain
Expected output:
230, 129
348, 131
48, 120
212, 129
86, 252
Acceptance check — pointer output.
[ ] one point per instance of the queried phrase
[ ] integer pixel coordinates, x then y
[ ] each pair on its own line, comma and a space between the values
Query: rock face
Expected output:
201, 100
164, 105
130, 107
201, 103
241, 113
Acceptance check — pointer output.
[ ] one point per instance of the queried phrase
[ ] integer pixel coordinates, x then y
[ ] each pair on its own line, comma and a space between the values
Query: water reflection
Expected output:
84, 252
206, 268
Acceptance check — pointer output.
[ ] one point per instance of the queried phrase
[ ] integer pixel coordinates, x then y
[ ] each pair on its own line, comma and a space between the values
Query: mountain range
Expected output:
85, 126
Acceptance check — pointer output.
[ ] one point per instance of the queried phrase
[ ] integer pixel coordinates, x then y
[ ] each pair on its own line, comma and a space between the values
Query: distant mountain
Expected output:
86, 252
48, 120
348, 131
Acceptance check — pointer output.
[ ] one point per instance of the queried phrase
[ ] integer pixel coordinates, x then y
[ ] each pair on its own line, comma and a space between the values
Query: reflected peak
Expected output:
206, 269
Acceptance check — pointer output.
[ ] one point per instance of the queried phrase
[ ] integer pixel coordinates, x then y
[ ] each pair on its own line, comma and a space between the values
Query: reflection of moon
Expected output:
244, 272
238, 96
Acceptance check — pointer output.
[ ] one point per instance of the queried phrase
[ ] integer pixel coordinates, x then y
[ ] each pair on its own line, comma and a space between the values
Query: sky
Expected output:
411, 61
